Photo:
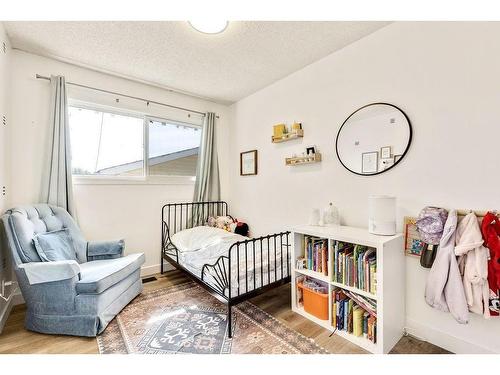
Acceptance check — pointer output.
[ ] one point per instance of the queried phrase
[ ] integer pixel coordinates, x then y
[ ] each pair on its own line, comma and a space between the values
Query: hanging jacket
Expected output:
469, 246
444, 289
490, 227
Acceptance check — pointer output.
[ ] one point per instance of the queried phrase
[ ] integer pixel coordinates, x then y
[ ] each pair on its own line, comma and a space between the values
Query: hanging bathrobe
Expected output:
474, 257
444, 289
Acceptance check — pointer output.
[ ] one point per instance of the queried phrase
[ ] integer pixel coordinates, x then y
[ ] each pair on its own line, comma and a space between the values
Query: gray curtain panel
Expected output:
207, 185
57, 188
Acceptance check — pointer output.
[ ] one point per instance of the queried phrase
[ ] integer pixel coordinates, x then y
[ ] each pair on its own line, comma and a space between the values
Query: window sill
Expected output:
151, 180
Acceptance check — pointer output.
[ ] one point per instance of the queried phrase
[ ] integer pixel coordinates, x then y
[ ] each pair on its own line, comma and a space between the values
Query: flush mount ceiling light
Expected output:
209, 26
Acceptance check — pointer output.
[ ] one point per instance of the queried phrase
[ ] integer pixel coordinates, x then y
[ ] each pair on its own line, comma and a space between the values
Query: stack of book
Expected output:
356, 266
354, 314
316, 254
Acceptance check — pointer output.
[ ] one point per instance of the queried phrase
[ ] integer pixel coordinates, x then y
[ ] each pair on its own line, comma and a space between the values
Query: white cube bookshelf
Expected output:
390, 275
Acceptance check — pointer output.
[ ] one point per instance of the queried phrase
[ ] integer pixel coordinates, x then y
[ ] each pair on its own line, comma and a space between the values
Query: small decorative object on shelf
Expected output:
282, 134
331, 215
307, 159
314, 218
382, 215
278, 130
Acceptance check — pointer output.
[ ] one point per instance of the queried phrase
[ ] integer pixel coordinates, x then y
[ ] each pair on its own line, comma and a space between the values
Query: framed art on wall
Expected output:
385, 152
369, 162
413, 243
248, 163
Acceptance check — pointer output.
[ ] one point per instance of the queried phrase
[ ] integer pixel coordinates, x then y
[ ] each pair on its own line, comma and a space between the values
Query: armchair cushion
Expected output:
54, 246
99, 275
47, 272
97, 250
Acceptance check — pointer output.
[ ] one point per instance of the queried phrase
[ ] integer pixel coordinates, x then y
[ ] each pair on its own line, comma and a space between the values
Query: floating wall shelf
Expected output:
316, 158
298, 133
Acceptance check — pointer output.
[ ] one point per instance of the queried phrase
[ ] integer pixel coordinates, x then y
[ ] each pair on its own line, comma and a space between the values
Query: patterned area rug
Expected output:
187, 319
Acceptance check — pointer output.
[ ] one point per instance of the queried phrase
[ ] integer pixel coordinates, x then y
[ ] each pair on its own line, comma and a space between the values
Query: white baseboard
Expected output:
151, 270
444, 340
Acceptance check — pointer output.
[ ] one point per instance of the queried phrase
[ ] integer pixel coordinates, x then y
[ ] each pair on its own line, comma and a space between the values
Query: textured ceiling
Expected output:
223, 67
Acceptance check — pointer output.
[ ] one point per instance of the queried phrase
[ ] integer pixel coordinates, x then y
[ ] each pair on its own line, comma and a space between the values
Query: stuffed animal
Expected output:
211, 221
224, 222
229, 224
241, 229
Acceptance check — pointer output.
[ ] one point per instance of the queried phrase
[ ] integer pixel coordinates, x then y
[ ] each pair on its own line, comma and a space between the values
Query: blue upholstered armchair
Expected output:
77, 296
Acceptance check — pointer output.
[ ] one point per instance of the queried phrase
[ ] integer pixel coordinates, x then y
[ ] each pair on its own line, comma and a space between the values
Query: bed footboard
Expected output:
250, 267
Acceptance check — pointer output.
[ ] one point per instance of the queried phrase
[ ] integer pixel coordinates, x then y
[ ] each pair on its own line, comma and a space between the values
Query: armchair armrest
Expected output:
97, 250
46, 272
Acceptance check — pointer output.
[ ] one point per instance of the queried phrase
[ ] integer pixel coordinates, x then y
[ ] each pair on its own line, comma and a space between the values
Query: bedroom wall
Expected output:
445, 76
5, 263
109, 209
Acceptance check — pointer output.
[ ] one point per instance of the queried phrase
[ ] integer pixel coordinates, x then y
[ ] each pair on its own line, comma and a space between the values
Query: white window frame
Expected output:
146, 178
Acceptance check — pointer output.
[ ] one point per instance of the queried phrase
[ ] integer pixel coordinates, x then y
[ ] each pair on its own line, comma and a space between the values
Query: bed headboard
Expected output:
180, 216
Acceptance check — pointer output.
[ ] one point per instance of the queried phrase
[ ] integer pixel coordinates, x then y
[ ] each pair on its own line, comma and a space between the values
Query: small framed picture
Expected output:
248, 163
385, 152
310, 150
369, 162
397, 158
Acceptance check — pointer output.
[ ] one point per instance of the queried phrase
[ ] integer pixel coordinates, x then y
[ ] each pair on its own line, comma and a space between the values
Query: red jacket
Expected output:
490, 227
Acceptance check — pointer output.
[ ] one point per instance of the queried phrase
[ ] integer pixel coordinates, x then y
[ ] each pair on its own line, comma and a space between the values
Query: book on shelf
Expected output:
315, 255
353, 316
355, 266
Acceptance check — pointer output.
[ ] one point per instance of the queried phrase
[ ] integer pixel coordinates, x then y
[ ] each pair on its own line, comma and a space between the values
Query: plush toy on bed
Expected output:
211, 222
221, 222
240, 228
224, 222
229, 224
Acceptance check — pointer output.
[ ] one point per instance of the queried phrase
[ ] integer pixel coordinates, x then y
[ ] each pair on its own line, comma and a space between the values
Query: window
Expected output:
173, 148
104, 143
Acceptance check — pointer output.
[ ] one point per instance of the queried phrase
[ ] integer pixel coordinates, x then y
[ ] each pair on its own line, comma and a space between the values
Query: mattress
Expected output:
257, 266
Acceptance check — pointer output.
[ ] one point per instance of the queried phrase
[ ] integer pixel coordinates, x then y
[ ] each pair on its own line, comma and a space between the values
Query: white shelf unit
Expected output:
390, 296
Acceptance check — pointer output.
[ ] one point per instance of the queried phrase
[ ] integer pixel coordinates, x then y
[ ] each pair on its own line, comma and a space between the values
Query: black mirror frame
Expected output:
402, 155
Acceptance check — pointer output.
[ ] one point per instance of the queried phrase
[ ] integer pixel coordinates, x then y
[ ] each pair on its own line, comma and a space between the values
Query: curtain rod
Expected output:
38, 76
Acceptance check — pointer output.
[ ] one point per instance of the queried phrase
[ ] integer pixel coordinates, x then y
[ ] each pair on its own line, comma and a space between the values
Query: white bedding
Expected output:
204, 245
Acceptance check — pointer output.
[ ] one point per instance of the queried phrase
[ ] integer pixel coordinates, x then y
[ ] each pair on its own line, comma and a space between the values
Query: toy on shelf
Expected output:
281, 133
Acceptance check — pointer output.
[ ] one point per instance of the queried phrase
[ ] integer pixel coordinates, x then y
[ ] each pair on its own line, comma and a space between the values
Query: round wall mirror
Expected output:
374, 139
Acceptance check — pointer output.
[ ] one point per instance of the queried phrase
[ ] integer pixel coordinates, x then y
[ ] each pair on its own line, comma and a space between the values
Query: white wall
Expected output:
105, 211
445, 76
5, 274
4, 111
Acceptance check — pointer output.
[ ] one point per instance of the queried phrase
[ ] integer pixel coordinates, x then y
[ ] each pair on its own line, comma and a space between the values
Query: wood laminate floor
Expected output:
16, 339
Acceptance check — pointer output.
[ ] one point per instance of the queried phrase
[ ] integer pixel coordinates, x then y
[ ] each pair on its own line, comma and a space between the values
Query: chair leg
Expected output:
161, 265
229, 322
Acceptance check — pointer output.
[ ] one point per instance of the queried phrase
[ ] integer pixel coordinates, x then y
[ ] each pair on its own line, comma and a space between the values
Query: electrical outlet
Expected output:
4, 190
4, 120
4, 47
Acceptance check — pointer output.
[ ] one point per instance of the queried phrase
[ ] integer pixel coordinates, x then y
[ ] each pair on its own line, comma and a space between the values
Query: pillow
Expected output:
105, 249
196, 238
54, 246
